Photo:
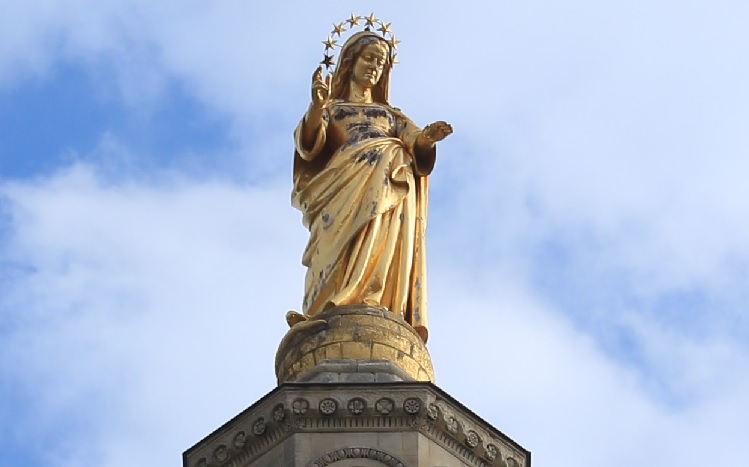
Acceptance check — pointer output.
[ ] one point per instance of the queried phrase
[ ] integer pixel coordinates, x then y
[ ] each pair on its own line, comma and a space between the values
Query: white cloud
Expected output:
138, 295
152, 312
552, 388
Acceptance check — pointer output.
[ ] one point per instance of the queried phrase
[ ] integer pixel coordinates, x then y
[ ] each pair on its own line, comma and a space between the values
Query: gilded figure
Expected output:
361, 170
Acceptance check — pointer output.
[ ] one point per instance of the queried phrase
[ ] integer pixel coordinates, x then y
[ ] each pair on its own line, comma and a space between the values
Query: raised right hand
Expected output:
320, 88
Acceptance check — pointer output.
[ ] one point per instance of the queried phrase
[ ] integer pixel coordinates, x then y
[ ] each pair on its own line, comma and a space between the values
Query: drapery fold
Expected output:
365, 207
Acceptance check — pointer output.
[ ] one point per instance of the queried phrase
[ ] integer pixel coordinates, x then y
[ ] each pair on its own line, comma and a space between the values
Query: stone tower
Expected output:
355, 390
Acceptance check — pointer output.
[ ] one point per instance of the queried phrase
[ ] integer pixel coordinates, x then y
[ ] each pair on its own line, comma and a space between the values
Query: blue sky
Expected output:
50, 122
588, 227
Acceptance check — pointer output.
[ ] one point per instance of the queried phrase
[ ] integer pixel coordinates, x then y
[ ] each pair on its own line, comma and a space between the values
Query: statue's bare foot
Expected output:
292, 318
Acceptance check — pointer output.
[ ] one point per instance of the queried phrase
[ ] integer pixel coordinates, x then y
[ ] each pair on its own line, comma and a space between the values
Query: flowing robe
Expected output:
362, 190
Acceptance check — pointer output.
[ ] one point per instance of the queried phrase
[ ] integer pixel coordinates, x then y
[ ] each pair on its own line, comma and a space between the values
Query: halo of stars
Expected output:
371, 23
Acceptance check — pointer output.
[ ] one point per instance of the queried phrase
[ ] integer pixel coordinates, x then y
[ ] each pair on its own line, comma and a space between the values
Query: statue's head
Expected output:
365, 58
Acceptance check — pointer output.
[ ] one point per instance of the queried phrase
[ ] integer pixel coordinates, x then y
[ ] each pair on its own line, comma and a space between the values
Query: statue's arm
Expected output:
425, 153
310, 134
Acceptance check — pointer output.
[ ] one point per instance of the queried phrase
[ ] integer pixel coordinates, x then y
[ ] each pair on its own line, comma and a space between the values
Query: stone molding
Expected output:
357, 453
352, 371
351, 408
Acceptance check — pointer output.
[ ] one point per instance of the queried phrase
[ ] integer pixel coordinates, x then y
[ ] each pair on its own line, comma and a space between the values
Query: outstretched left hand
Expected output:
434, 132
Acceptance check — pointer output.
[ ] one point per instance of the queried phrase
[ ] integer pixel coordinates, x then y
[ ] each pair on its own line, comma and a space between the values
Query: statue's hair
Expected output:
349, 53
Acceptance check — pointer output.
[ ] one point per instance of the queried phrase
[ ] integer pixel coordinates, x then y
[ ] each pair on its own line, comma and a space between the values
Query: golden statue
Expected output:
361, 170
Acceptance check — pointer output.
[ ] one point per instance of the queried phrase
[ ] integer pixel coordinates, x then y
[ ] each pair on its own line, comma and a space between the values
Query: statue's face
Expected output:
369, 66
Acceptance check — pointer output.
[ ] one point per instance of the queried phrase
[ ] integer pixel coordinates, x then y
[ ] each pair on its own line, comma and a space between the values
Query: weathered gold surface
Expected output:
353, 333
361, 171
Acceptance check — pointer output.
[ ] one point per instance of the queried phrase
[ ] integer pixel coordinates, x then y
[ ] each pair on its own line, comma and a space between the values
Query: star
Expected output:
394, 60
330, 43
385, 28
338, 29
327, 60
353, 21
371, 20
393, 43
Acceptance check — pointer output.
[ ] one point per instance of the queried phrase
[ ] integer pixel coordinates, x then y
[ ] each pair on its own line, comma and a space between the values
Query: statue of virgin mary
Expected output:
361, 170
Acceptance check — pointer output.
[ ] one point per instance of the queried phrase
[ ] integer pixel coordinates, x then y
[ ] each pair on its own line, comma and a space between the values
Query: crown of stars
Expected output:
371, 23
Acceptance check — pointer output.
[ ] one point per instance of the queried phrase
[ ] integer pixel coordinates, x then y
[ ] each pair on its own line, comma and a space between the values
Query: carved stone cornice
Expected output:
301, 408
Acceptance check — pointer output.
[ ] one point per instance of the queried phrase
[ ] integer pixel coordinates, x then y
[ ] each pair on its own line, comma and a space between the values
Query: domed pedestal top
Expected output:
354, 343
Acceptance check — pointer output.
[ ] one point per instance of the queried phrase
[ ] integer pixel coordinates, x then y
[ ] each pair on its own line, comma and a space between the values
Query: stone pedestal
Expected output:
361, 342
401, 424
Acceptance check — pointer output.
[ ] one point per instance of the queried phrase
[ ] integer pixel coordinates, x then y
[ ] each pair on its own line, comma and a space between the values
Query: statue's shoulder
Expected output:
397, 111
334, 105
